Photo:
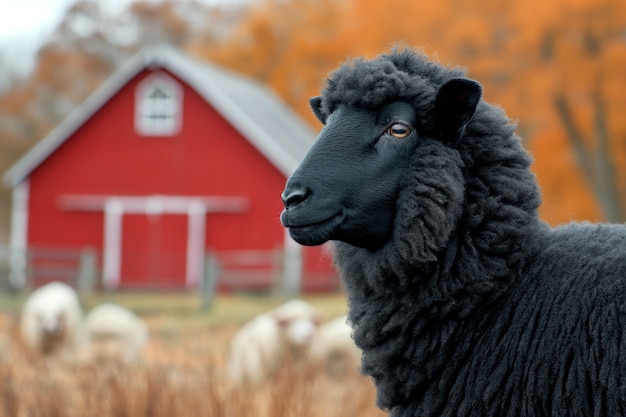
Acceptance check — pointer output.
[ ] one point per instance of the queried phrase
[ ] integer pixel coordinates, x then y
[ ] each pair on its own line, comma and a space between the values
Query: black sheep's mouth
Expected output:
313, 234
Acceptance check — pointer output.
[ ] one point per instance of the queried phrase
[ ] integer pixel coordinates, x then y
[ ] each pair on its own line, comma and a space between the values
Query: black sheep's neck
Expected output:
460, 225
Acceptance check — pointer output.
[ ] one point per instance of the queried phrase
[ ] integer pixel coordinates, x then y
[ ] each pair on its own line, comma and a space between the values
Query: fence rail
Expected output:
236, 270
250, 270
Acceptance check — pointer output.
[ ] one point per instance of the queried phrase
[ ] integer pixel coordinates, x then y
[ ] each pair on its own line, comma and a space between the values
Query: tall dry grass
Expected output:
182, 374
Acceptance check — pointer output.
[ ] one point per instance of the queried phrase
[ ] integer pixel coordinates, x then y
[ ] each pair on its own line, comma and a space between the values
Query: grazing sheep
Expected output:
334, 349
278, 337
462, 300
114, 333
51, 320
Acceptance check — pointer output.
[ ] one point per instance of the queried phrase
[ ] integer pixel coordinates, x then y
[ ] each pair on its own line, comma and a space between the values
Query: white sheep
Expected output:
51, 320
114, 333
334, 349
279, 337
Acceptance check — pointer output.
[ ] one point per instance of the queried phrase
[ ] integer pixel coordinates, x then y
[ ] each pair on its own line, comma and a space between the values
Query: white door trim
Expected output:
115, 207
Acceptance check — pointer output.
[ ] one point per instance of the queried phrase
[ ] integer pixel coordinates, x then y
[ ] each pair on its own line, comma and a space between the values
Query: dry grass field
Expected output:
182, 372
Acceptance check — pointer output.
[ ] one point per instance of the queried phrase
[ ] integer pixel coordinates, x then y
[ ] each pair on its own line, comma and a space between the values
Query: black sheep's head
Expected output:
346, 187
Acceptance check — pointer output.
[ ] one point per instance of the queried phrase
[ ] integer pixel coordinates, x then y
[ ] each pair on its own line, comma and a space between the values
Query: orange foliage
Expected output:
556, 172
526, 54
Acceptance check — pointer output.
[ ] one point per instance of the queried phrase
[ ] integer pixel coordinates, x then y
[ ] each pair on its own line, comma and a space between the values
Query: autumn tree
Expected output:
589, 48
289, 45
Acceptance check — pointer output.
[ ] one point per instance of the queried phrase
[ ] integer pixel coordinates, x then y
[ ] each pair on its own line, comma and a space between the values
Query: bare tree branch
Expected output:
581, 151
607, 180
596, 164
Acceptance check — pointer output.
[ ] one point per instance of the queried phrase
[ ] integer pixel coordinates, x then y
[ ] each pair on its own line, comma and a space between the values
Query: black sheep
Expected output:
462, 300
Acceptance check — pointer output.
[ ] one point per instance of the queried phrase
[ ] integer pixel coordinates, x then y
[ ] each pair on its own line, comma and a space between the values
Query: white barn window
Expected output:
158, 106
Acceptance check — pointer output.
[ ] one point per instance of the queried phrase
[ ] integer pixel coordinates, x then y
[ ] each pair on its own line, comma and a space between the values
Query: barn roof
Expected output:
252, 108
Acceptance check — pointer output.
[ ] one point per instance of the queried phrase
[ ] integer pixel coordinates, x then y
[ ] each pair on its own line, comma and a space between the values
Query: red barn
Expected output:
169, 159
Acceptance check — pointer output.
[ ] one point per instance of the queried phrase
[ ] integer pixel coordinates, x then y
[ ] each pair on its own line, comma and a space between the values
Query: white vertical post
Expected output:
196, 224
113, 212
19, 235
292, 271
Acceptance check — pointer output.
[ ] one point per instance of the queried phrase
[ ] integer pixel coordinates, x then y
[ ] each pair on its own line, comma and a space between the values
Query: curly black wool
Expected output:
474, 306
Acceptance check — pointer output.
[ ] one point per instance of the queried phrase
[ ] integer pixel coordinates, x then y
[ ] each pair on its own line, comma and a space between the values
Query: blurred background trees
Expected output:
557, 67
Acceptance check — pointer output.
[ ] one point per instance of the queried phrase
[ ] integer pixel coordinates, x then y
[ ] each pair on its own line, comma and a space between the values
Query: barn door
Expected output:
153, 251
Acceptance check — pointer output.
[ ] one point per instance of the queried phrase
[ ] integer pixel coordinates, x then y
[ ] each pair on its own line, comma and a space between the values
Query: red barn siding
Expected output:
207, 157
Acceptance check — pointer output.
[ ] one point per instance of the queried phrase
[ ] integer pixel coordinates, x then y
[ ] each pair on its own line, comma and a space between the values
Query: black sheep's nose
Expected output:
294, 194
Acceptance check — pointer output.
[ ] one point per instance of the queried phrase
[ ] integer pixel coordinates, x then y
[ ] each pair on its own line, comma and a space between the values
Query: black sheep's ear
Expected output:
316, 106
454, 107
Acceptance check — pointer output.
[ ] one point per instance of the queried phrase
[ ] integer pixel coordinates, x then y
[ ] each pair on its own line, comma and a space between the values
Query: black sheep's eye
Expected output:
399, 130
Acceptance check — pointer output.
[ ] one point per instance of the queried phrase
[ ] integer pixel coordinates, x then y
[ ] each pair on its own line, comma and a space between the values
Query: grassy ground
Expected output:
188, 305
182, 372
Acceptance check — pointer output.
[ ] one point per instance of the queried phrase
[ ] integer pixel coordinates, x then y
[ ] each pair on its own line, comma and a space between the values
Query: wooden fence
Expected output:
38, 266
247, 270
251, 270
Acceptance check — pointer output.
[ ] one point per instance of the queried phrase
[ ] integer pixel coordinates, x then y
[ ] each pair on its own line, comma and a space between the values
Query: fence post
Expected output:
210, 276
87, 272
292, 269
18, 268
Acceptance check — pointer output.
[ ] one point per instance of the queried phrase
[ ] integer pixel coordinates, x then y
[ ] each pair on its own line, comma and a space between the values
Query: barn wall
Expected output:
208, 157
